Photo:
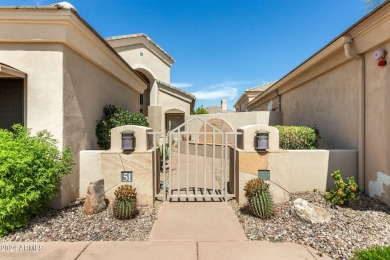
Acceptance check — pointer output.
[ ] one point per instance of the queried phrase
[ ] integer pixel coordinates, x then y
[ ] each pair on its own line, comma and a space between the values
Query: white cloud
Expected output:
233, 83
226, 92
227, 89
182, 84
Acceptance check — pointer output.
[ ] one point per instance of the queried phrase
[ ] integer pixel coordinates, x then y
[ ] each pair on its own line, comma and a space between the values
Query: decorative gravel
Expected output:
362, 224
71, 224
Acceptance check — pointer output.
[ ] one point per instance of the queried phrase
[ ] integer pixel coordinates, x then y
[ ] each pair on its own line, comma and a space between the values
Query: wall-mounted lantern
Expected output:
261, 140
128, 140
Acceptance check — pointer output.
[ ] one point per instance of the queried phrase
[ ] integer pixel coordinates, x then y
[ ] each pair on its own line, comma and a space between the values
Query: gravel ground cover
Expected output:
364, 223
71, 224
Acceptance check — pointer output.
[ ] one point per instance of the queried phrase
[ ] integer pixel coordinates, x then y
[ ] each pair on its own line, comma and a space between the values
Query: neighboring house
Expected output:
57, 73
345, 92
164, 105
250, 94
221, 109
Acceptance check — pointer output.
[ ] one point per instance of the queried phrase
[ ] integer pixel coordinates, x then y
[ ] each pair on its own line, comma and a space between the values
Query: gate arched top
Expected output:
196, 123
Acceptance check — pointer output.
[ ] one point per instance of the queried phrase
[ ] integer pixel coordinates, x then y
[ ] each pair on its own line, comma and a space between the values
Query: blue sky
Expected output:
223, 47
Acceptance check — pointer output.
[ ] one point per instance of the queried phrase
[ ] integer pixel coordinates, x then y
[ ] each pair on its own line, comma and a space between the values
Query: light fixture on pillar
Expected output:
128, 140
261, 140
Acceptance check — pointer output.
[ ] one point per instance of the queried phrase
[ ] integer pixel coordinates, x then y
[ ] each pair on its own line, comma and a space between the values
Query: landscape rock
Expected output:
310, 213
94, 200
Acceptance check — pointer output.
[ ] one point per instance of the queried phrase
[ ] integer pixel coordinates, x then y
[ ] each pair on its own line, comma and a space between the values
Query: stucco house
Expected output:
344, 90
165, 105
57, 73
249, 94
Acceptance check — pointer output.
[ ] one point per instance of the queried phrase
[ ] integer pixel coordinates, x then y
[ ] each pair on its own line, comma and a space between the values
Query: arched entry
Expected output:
144, 100
12, 97
173, 118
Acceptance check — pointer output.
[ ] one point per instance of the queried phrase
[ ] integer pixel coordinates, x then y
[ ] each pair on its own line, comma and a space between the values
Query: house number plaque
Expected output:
126, 176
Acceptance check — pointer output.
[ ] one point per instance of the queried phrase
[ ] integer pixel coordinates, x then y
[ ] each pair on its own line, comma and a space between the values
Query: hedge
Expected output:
30, 175
373, 253
298, 137
114, 116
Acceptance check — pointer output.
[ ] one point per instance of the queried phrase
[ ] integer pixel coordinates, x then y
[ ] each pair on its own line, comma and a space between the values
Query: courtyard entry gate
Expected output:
197, 162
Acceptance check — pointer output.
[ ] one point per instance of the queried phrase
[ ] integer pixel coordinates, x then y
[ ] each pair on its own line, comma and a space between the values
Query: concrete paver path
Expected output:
161, 250
197, 221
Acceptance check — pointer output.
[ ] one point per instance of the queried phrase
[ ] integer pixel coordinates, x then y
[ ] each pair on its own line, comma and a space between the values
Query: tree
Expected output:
200, 111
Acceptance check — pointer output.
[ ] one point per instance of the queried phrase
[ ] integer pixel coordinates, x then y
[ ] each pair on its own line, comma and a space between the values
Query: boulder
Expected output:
310, 213
94, 200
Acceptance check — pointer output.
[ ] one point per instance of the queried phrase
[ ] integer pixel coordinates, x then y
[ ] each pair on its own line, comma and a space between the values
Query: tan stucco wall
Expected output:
170, 102
148, 61
108, 165
87, 89
325, 91
271, 105
43, 65
299, 170
377, 128
329, 101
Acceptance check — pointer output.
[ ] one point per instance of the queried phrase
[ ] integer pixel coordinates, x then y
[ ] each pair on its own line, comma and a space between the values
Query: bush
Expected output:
344, 193
30, 174
114, 116
373, 253
298, 137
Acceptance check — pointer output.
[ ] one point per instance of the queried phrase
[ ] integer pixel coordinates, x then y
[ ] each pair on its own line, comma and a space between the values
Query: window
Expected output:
11, 102
141, 99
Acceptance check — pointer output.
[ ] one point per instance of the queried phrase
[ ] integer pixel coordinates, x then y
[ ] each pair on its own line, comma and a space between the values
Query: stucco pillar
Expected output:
154, 94
155, 118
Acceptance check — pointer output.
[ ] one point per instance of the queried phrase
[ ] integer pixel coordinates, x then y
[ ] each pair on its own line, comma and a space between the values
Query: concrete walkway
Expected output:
197, 221
161, 250
183, 230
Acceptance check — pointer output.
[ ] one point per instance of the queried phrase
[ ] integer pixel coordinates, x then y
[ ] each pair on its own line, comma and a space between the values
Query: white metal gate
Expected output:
196, 162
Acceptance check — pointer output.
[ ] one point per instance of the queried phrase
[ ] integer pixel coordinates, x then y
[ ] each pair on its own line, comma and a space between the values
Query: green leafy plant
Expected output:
373, 253
125, 205
344, 192
31, 168
298, 137
114, 116
259, 198
200, 111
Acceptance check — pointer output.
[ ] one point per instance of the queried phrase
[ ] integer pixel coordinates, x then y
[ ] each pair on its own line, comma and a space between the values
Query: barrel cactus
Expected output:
259, 198
125, 205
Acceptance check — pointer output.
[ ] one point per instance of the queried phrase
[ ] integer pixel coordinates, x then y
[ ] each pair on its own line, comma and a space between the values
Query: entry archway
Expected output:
173, 119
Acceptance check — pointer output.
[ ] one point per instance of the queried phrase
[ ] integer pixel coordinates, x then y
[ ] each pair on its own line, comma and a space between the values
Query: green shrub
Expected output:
30, 174
373, 253
344, 193
298, 137
114, 116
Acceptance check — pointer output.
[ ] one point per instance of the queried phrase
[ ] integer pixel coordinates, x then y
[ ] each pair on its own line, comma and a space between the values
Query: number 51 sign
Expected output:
126, 176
